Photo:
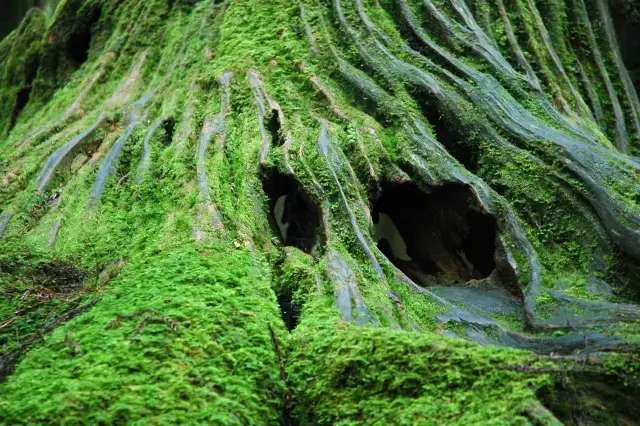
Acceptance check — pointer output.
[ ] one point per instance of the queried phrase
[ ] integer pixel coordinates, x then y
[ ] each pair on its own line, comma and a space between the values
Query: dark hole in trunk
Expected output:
274, 128
592, 399
437, 234
169, 126
21, 101
79, 41
289, 309
449, 132
294, 216
78, 46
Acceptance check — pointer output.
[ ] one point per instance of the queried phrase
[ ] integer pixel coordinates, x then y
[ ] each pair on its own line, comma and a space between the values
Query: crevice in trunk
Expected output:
83, 154
286, 418
587, 398
169, 127
274, 128
21, 101
412, 39
73, 163
295, 217
289, 309
440, 233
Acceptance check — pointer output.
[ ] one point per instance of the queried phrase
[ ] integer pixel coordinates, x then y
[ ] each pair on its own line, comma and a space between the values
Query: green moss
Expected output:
167, 344
189, 331
347, 375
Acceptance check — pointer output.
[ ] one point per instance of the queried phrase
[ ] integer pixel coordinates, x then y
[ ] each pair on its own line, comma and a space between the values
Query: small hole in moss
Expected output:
440, 232
274, 128
289, 309
169, 126
21, 101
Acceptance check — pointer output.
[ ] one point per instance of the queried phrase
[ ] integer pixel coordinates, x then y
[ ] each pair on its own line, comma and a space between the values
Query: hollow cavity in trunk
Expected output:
435, 234
294, 216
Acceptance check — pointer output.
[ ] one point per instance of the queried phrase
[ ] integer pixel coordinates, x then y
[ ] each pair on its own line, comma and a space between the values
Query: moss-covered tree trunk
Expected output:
319, 212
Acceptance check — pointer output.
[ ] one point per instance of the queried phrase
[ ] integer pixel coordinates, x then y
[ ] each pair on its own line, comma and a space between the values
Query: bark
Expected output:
319, 212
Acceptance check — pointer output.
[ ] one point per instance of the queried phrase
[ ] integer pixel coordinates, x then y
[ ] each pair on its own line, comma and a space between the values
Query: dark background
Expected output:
12, 12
